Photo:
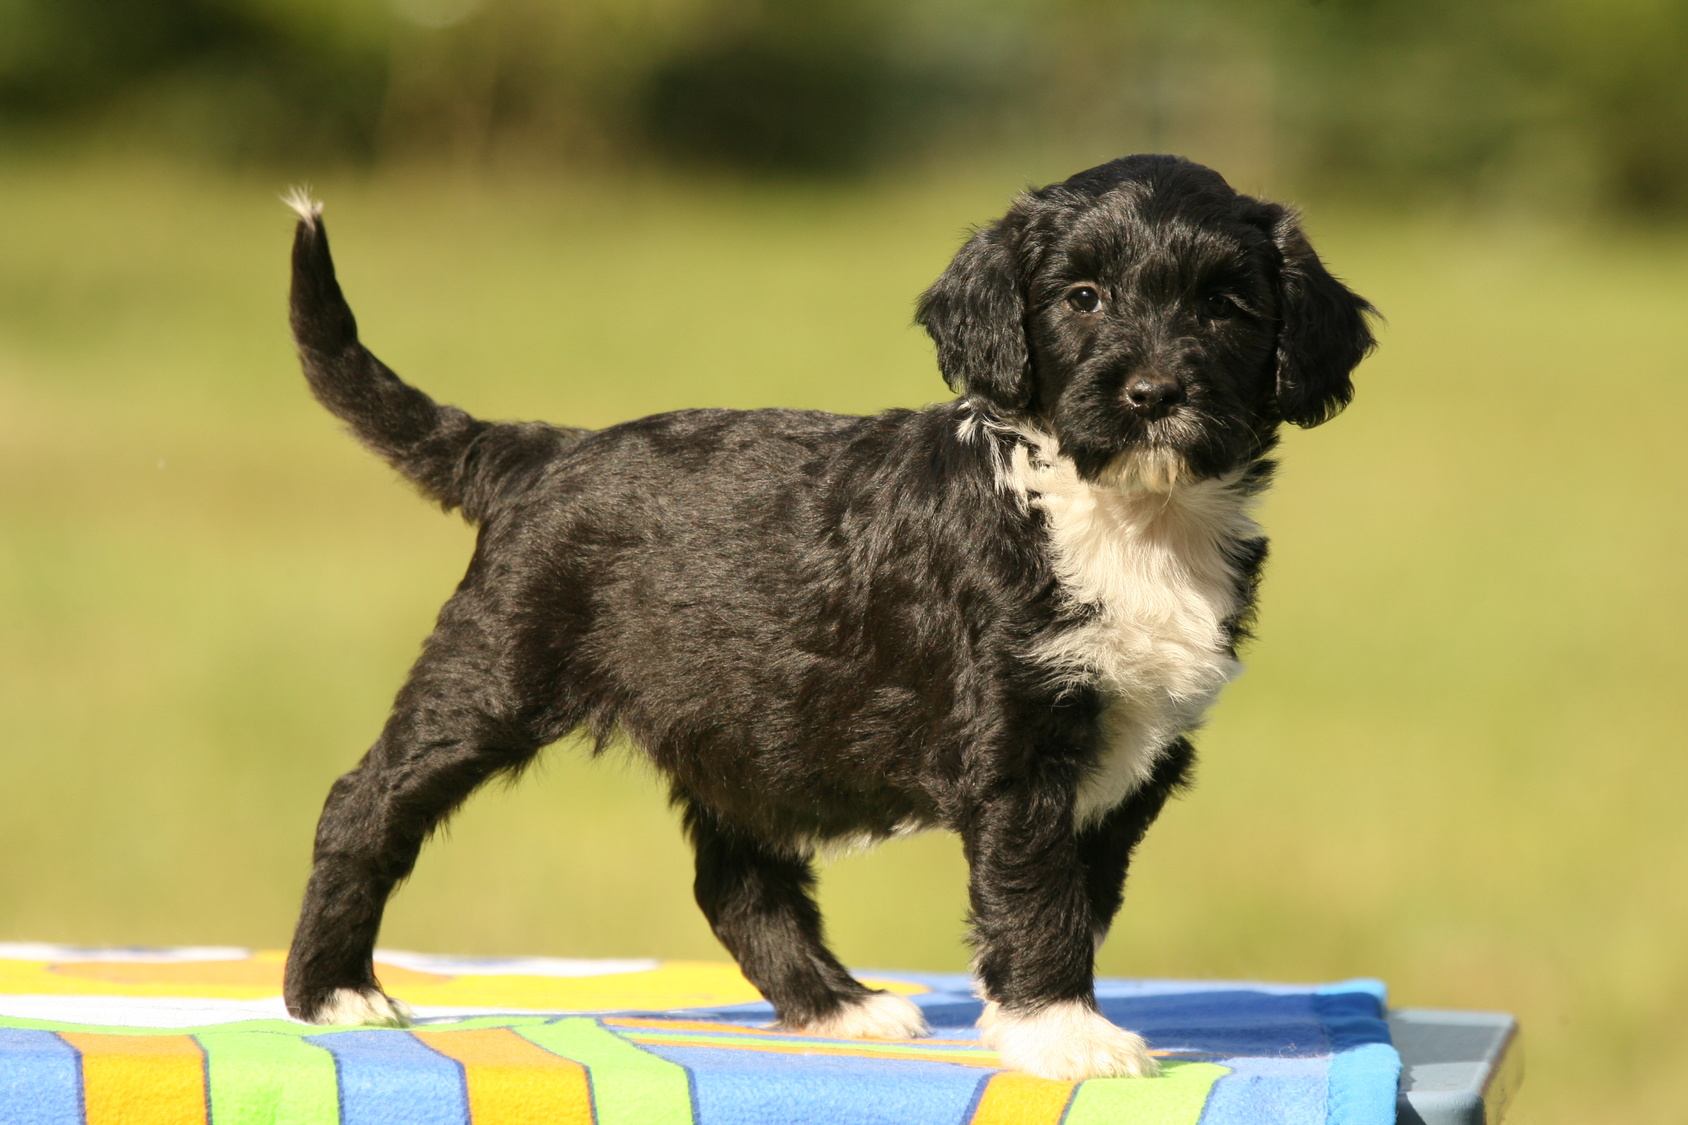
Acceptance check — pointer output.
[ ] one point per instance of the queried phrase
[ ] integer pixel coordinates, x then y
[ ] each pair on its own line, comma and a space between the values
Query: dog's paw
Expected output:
1068, 1042
367, 1007
878, 1015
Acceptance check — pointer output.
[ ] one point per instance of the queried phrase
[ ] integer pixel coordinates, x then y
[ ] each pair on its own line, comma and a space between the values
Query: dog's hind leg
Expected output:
448, 733
758, 901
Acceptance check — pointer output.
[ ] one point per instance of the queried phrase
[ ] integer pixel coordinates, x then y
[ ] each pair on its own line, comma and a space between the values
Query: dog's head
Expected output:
1144, 309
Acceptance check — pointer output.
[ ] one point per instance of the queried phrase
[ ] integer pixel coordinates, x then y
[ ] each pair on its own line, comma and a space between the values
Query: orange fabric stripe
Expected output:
1012, 1098
141, 1079
690, 1025
986, 1059
514, 1082
742, 1029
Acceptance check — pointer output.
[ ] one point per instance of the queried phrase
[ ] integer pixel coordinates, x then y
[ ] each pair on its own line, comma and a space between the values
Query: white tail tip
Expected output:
298, 198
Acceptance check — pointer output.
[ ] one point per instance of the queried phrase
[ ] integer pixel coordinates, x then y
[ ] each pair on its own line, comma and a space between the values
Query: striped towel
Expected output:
167, 1037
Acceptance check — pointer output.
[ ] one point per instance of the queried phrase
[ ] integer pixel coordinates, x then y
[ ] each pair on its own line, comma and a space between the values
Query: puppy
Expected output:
1002, 615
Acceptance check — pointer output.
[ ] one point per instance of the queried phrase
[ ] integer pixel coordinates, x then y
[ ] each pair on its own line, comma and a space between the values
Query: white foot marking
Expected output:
1067, 1042
349, 1006
879, 1015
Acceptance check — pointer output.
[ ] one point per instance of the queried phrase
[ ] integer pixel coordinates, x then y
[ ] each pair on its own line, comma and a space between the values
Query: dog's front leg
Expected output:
758, 900
1033, 933
1105, 847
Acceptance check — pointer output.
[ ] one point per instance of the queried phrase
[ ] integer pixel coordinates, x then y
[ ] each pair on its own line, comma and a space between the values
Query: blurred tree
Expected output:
242, 79
1567, 103
830, 86
797, 85
1574, 102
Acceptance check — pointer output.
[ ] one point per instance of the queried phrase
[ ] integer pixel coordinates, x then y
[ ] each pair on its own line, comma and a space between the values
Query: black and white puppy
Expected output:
1001, 615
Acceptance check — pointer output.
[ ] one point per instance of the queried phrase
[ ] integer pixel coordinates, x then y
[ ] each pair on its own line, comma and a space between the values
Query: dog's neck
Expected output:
1144, 500
1153, 473
1149, 553
1025, 451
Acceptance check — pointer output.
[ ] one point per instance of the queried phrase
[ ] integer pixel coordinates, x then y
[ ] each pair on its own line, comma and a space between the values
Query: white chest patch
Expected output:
1152, 559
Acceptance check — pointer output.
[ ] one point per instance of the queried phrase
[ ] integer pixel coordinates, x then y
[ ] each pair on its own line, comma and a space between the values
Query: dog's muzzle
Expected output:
1152, 397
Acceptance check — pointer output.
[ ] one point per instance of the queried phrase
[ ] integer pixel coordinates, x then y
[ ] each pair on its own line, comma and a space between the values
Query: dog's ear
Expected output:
1323, 333
976, 314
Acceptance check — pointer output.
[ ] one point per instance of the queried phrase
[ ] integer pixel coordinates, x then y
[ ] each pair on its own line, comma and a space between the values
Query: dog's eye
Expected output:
1084, 298
1217, 306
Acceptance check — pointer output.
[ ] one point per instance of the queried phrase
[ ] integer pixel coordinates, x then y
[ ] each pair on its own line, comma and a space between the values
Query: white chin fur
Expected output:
348, 1006
879, 1015
1068, 1042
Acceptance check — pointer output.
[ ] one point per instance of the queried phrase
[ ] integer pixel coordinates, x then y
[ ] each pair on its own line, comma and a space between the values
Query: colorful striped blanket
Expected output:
166, 1037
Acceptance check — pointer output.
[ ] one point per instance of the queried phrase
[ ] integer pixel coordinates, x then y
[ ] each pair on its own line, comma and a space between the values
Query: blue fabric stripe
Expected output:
1363, 1082
1321, 1056
40, 1079
745, 1087
1366, 1068
1268, 1092
389, 1077
1376, 988
1231, 1023
1351, 1019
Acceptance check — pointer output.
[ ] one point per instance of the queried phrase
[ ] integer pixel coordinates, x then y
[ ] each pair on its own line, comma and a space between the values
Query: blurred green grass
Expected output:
1455, 763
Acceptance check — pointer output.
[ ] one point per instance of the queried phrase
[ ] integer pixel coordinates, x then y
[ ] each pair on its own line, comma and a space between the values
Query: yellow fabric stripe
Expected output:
514, 1082
671, 985
1013, 1098
141, 1079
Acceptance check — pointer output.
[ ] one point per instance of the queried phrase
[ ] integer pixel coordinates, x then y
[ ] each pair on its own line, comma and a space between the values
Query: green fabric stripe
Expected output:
262, 1078
1177, 1097
630, 1086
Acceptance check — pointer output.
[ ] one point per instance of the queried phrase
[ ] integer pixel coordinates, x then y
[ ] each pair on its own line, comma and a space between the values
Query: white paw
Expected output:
369, 1007
878, 1015
1068, 1042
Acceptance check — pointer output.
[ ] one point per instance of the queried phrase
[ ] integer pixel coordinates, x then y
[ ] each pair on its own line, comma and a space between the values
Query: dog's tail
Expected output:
458, 460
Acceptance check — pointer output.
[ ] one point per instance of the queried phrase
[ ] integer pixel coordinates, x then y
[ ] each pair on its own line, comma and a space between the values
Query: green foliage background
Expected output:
1456, 760
1564, 104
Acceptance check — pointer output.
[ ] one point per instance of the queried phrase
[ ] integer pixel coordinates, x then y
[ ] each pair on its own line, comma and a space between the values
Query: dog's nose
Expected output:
1153, 396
